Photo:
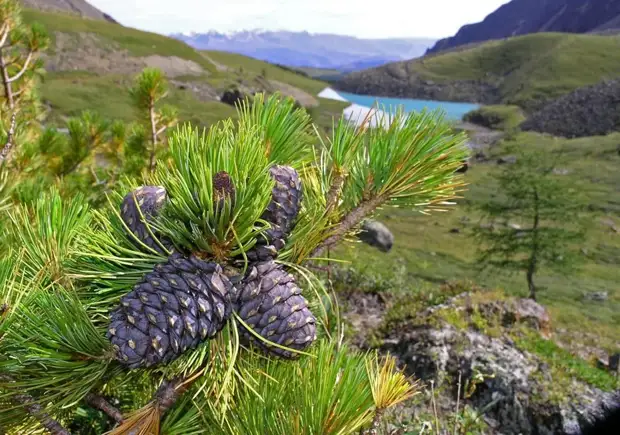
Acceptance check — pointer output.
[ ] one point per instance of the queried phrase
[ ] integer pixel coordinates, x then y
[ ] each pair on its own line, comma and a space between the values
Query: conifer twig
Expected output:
101, 404
9, 141
37, 411
353, 218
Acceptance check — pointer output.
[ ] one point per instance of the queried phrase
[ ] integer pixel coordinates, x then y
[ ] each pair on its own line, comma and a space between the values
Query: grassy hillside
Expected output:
525, 71
434, 249
91, 64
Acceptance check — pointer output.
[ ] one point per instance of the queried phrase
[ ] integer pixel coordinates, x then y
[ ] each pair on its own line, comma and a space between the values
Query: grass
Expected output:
245, 64
136, 42
436, 249
562, 360
71, 93
526, 70
498, 117
68, 93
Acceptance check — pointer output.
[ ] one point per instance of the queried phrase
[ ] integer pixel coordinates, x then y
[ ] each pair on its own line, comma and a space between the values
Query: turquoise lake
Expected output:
454, 111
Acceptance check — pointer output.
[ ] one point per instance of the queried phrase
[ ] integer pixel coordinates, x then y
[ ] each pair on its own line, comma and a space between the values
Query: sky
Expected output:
361, 18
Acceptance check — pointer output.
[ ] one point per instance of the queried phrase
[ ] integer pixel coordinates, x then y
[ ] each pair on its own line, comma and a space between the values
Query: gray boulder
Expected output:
376, 234
511, 386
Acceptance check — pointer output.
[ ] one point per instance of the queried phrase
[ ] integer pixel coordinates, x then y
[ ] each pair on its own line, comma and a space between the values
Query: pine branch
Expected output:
170, 391
36, 410
334, 191
5, 34
353, 218
161, 130
9, 141
24, 68
153, 135
101, 404
8, 92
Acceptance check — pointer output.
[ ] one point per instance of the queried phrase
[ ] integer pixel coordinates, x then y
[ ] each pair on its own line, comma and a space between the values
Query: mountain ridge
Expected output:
521, 17
305, 49
519, 71
73, 7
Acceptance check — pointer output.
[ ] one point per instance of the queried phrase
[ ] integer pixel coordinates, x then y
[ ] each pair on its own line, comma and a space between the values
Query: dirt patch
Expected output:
304, 98
88, 52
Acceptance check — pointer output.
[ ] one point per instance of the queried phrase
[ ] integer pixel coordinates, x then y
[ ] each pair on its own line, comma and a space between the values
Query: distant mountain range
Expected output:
520, 17
303, 49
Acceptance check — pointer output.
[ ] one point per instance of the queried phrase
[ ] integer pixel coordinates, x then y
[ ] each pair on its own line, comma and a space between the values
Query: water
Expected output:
453, 111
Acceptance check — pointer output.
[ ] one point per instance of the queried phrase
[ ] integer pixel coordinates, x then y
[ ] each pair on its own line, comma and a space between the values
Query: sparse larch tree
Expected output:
540, 215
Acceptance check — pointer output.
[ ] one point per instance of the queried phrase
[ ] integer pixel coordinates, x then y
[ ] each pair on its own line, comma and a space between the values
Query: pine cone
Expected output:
272, 305
182, 303
281, 213
150, 199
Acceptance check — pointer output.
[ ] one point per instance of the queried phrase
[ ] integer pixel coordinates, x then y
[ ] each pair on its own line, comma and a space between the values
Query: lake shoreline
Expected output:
454, 111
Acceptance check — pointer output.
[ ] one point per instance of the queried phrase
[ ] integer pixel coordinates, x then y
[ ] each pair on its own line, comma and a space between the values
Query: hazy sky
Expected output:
362, 18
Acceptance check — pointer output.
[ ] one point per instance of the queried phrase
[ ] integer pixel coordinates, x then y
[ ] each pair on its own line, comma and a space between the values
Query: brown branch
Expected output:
161, 130
37, 411
153, 134
24, 68
8, 92
352, 219
101, 404
8, 146
5, 34
170, 391
334, 191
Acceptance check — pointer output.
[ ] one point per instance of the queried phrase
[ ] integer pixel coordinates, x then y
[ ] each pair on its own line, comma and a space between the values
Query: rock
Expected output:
587, 111
507, 160
596, 296
232, 97
614, 362
561, 171
511, 387
507, 380
480, 156
464, 167
376, 234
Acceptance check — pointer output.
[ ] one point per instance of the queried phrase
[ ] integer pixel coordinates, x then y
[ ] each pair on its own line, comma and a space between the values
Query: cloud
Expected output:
364, 18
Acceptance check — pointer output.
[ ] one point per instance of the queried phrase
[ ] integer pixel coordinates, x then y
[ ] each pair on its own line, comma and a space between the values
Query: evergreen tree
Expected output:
20, 46
149, 89
185, 306
539, 214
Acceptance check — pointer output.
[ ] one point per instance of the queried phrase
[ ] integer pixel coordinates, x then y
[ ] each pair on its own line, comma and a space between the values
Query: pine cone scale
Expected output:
180, 304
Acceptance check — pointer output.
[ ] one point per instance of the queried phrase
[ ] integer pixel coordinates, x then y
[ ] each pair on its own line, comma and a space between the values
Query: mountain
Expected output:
303, 49
92, 63
74, 7
527, 71
520, 17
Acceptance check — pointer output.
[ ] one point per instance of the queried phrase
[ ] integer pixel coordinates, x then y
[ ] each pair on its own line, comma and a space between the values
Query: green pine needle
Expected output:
46, 232
191, 217
286, 133
52, 346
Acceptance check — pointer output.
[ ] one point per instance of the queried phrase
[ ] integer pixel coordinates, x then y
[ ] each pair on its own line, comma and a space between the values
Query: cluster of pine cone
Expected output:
187, 300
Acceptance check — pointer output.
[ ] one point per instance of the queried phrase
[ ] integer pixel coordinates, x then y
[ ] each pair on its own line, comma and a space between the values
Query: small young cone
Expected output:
182, 303
140, 208
271, 304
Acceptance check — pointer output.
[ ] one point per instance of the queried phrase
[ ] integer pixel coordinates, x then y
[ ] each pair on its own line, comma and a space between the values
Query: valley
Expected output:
173, 264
